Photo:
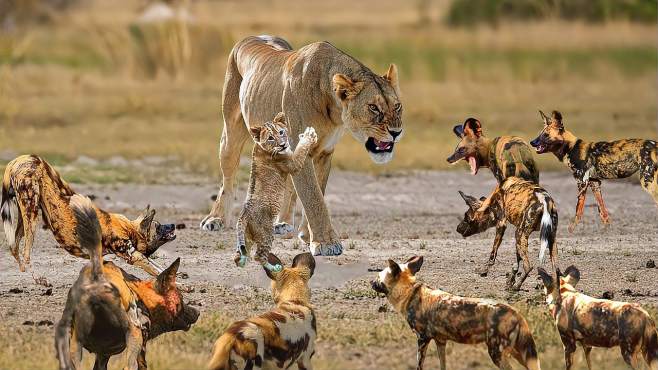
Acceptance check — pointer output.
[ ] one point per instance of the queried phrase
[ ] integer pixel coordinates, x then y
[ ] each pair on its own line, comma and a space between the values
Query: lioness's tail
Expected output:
548, 228
89, 232
9, 211
221, 354
525, 345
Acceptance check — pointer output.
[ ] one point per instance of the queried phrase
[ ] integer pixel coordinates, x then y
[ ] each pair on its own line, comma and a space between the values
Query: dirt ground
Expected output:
380, 217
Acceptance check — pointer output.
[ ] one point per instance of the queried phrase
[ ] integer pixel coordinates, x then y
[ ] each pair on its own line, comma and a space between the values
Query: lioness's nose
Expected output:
394, 133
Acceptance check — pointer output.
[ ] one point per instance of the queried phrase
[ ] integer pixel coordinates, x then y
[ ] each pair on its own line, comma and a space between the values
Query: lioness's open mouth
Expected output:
375, 146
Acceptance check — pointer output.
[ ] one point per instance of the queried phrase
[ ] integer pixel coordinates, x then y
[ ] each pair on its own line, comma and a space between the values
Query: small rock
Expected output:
627, 292
45, 323
107, 197
213, 197
195, 303
382, 308
202, 290
15, 290
608, 295
91, 196
180, 226
48, 291
28, 322
651, 264
183, 275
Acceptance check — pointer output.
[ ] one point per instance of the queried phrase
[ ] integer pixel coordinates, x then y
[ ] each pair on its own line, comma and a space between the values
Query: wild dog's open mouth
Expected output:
540, 148
473, 162
169, 236
375, 146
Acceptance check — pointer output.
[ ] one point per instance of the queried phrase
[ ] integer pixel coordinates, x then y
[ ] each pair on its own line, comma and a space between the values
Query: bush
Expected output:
492, 12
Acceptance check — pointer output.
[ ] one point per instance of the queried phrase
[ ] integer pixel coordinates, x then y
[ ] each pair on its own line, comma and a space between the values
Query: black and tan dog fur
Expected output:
280, 338
595, 322
440, 316
109, 311
31, 185
592, 162
523, 204
505, 156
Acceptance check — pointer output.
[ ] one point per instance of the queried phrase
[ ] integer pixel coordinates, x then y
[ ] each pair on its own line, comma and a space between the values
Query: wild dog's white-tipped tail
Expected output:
10, 213
88, 229
546, 232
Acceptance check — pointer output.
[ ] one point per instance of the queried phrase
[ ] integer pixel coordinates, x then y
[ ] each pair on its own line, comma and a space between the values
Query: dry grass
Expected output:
82, 86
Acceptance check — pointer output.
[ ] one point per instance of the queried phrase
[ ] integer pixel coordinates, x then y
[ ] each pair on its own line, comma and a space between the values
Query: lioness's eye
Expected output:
270, 138
373, 108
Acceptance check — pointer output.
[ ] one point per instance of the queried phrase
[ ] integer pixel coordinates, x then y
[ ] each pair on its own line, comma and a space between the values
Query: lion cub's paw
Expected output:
240, 259
334, 248
309, 136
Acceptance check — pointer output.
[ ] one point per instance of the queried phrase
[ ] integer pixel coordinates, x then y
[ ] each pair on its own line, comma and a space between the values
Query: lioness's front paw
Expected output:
309, 136
334, 248
211, 223
283, 228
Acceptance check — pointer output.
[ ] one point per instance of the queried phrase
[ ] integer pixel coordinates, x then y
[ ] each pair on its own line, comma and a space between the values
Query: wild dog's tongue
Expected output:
474, 165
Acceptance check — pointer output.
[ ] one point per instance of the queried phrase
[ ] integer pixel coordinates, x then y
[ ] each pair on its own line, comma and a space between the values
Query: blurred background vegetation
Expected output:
117, 80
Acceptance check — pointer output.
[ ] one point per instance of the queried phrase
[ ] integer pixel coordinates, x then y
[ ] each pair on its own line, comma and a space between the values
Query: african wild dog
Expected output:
505, 155
436, 315
593, 162
31, 185
525, 205
109, 311
598, 322
280, 337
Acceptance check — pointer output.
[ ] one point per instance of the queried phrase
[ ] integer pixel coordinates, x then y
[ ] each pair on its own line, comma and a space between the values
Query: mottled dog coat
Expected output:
272, 162
523, 204
592, 162
109, 311
280, 337
440, 316
505, 156
31, 185
598, 322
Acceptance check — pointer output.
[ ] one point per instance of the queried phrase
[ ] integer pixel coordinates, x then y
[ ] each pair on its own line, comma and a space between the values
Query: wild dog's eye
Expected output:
398, 107
373, 108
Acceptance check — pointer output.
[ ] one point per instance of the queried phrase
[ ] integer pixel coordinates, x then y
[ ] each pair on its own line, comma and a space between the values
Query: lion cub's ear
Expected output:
255, 132
392, 75
345, 88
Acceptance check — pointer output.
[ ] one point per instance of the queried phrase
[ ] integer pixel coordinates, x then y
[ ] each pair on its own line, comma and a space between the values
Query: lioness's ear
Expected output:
345, 88
280, 117
414, 263
255, 132
272, 260
392, 75
305, 260
395, 268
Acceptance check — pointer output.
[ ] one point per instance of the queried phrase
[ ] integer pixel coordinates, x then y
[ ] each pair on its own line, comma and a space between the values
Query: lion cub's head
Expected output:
371, 110
272, 137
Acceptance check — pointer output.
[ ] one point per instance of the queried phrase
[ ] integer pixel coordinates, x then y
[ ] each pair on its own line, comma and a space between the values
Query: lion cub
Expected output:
271, 164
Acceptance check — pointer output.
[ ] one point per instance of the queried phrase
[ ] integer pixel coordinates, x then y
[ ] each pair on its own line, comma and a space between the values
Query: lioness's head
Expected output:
272, 137
372, 110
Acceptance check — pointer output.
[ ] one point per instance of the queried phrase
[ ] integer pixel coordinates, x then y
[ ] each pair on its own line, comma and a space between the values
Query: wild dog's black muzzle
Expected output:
535, 143
378, 287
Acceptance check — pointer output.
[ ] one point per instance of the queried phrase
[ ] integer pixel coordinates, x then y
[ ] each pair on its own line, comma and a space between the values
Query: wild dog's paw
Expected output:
211, 223
334, 248
309, 136
283, 229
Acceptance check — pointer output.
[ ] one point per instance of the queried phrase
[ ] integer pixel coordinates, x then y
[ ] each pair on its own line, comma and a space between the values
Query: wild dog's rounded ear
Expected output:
572, 275
392, 75
546, 279
145, 219
304, 260
395, 268
472, 128
458, 130
414, 264
255, 132
556, 118
544, 117
280, 117
345, 88
167, 278
471, 202
272, 260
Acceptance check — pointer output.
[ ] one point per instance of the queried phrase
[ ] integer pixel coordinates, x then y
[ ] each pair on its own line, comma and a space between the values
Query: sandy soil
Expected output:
380, 217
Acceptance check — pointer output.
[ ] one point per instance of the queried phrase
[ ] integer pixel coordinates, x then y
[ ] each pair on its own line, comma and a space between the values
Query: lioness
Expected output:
317, 85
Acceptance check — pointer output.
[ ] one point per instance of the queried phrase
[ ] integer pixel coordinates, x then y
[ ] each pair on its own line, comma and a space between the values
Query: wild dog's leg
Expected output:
580, 206
304, 363
28, 203
588, 350
234, 135
141, 360
63, 335
76, 350
631, 356
522, 235
422, 350
285, 223
569, 350
497, 356
500, 232
515, 270
101, 362
603, 211
134, 345
441, 349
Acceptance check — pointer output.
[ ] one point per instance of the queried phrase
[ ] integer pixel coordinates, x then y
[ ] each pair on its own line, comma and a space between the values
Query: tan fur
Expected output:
316, 85
280, 337
272, 162
30, 185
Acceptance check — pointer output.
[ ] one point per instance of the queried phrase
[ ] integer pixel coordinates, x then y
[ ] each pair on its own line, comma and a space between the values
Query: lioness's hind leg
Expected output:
233, 138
